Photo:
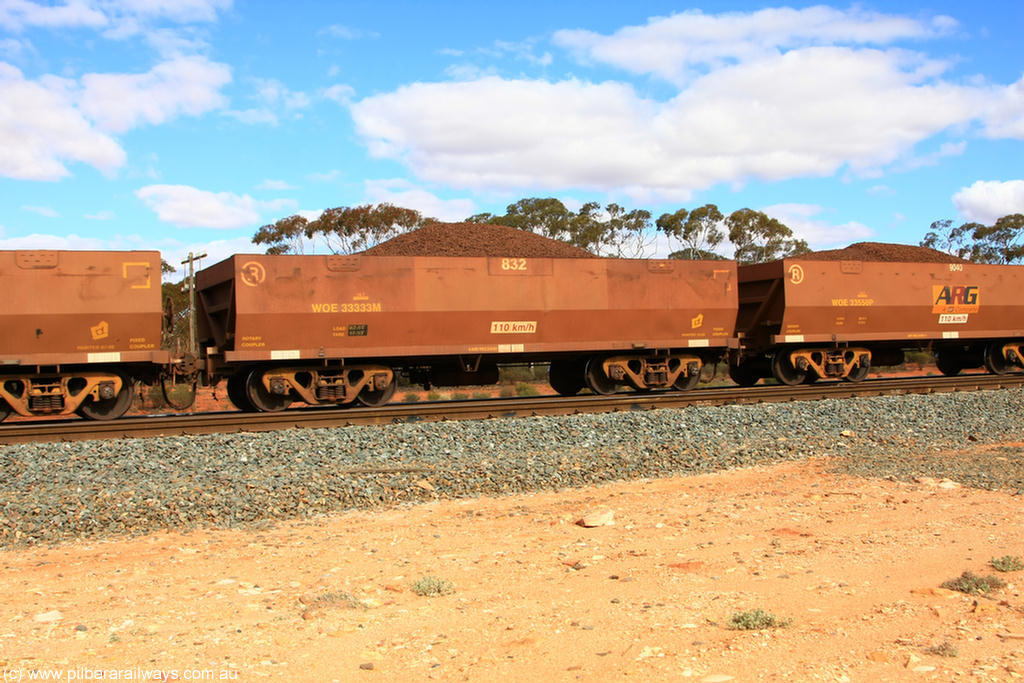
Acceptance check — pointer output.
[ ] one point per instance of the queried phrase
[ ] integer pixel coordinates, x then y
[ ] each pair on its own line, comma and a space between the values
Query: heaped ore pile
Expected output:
475, 239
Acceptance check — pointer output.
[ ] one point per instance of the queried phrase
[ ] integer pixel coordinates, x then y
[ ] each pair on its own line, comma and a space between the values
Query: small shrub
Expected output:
754, 620
972, 584
411, 397
431, 586
481, 395
433, 395
946, 649
1007, 563
507, 391
459, 395
526, 389
336, 599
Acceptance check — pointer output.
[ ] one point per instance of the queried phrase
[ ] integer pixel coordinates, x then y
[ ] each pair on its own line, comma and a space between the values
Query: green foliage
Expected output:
176, 306
336, 599
433, 395
507, 391
972, 584
1002, 242
1007, 563
526, 389
481, 395
612, 230
522, 373
699, 232
759, 238
755, 620
411, 397
432, 586
345, 230
459, 396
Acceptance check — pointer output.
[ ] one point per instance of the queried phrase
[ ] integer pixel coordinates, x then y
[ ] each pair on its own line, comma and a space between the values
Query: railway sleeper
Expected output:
52, 395
847, 363
317, 387
644, 373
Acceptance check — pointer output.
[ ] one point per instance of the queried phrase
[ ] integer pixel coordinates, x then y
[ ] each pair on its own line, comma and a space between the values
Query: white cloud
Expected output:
675, 47
403, 193
117, 18
182, 86
805, 222
1006, 115
276, 185
274, 100
986, 201
17, 15
50, 121
340, 93
858, 108
188, 206
38, 241
44, 211
770, 95
41, 130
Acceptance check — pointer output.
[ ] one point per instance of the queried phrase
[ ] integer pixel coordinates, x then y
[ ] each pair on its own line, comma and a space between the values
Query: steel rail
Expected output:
191, 424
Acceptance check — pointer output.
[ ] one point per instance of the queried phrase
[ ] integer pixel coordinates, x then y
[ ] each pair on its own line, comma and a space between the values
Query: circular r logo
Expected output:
253, 273
796, 274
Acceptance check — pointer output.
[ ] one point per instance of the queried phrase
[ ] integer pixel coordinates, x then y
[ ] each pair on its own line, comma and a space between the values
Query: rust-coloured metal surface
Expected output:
259, 307
795, 301
77, 307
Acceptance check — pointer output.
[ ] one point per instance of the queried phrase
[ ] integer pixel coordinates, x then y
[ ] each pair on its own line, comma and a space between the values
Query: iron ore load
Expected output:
447, 304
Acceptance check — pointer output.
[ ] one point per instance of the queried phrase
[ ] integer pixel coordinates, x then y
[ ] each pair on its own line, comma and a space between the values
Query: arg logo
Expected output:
955, 298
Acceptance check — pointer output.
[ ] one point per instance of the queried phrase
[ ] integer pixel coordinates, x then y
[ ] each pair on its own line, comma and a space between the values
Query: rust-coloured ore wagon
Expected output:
335, 329
802, 319
78, 329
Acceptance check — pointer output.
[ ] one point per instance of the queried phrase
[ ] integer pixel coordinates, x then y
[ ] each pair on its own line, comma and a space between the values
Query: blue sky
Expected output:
185, 125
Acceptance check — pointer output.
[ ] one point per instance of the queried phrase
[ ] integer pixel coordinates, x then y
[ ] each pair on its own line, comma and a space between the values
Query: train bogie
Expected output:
332, 329
78, 329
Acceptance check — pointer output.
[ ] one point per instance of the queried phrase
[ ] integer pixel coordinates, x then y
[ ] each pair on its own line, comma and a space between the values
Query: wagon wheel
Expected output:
237, 395
686, 382
566, 377
744, 374
859, 372
811, 377
995, 359
261, 399
5, 410
110, 408
783, 370
378, 397
597, 380
948, 362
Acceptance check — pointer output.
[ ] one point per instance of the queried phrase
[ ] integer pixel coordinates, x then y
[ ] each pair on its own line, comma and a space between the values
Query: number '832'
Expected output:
513, 264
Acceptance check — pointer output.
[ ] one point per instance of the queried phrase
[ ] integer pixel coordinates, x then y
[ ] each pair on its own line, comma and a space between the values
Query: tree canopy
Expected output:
1001, 242
343, 229
611, 230
759, 238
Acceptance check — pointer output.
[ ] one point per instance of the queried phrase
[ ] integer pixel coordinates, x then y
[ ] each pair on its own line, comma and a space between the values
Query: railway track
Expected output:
311, 418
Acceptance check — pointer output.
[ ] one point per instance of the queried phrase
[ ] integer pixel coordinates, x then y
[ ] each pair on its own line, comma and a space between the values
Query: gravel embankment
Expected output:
53, 492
